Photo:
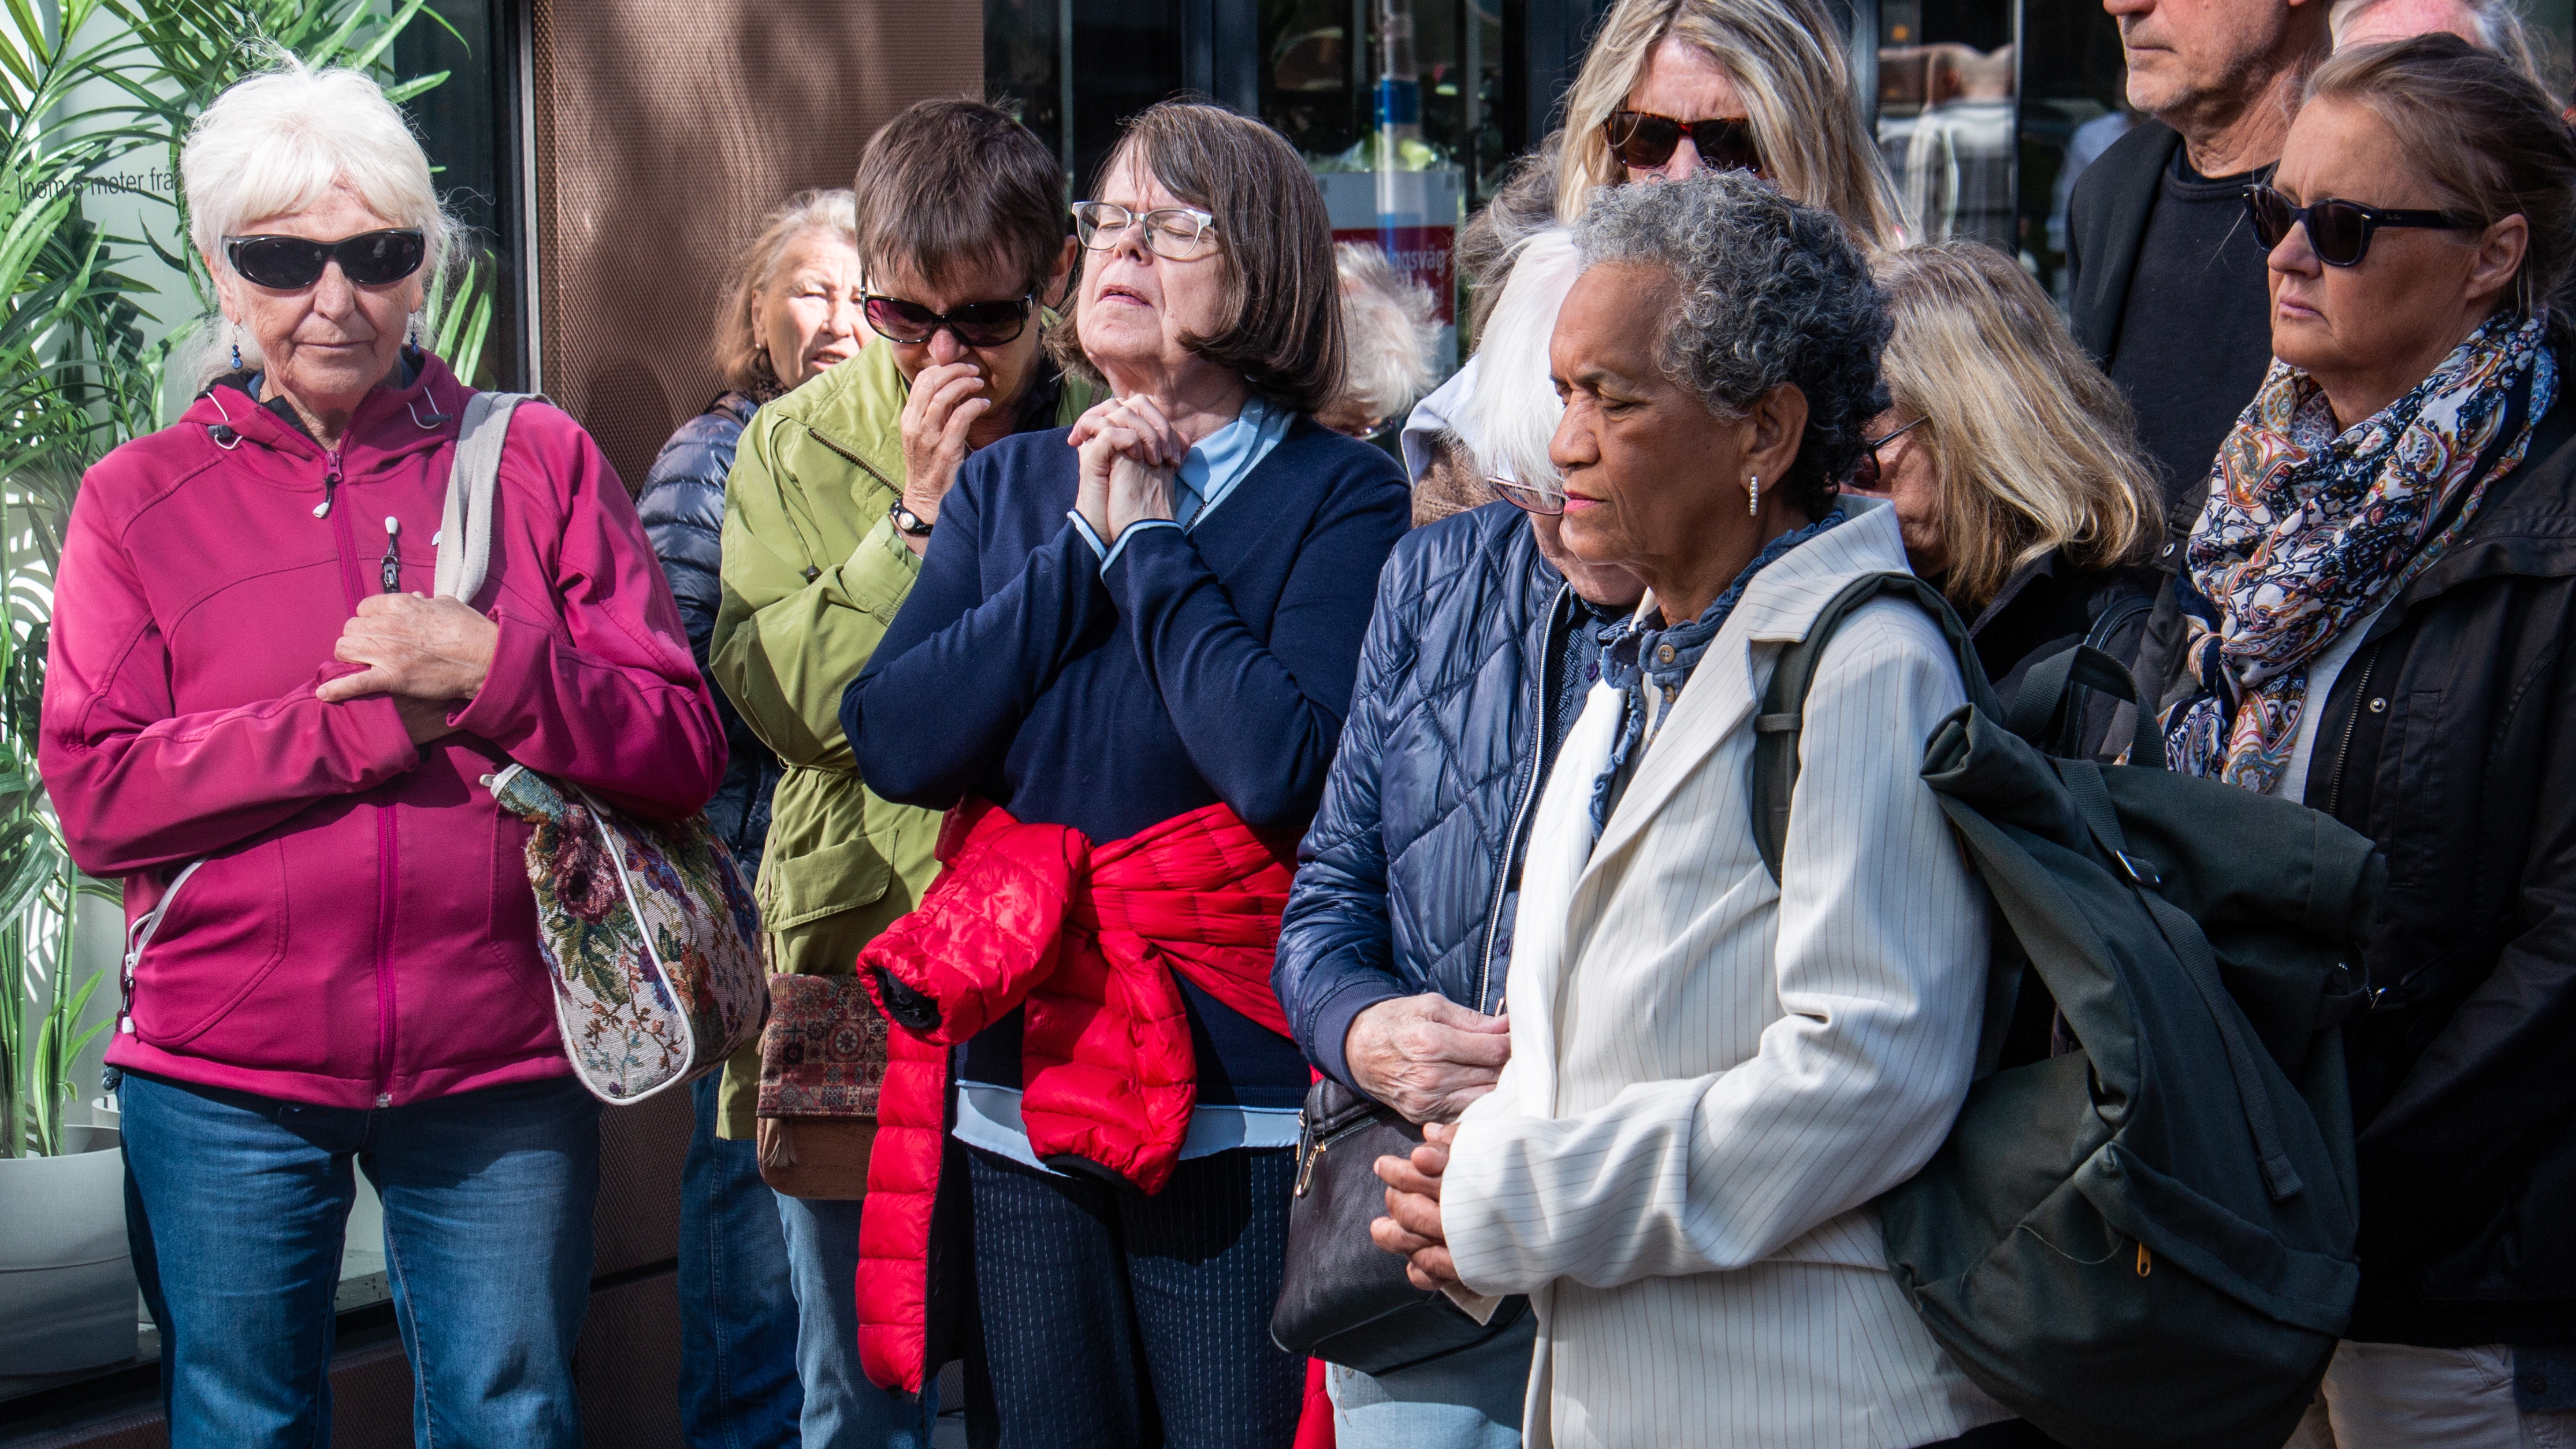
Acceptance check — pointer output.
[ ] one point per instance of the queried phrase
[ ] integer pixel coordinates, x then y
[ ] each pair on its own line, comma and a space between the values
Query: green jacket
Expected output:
813, 574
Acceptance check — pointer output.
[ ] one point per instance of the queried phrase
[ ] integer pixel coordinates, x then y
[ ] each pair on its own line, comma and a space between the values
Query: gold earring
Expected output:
1753, 496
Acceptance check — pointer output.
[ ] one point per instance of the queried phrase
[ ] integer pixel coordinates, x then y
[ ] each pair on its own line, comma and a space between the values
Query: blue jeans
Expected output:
237, 1205
842, 1409
1470, 1399
738, 1387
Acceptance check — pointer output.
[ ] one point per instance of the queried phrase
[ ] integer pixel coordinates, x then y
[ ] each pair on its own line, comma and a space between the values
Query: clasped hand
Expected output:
1411, 1226
1130, 454
430, 655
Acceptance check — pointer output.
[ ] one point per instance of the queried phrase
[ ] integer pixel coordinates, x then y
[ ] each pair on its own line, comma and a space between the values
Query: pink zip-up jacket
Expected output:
362, 933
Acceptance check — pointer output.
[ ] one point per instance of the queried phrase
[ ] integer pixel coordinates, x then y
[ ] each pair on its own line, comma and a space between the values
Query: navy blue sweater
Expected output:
1212, 665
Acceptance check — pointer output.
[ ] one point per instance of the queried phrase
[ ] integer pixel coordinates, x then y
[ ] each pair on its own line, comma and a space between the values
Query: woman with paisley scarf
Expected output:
2383, 585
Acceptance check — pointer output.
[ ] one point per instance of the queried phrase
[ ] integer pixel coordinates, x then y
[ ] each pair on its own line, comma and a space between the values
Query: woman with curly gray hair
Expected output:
1677, 1162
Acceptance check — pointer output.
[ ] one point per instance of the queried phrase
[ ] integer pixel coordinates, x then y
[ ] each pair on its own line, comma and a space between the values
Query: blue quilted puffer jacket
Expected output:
683, 511
1401, 882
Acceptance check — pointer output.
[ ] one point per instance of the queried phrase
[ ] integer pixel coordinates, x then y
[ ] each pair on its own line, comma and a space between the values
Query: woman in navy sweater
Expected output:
1142, 633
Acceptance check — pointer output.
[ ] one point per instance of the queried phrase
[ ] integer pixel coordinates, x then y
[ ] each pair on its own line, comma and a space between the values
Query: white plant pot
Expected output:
67, 1293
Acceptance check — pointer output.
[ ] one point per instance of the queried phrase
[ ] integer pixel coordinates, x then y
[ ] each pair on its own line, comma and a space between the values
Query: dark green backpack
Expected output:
2147, 1240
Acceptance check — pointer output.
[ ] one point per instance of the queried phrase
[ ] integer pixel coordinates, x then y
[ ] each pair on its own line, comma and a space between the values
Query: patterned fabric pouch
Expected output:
647, 932
822, 1060
647, 929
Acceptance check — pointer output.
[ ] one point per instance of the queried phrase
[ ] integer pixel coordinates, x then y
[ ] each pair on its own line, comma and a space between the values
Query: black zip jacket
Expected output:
2450, 739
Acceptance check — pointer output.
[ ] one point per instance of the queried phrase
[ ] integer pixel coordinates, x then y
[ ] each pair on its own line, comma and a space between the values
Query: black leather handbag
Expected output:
1345, 1300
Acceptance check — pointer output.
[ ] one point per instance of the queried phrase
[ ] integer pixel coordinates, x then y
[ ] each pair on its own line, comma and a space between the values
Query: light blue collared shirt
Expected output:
1208, 476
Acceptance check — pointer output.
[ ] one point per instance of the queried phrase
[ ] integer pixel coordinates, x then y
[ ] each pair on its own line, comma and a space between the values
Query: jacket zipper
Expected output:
2352, 723
353, 588
1520, 812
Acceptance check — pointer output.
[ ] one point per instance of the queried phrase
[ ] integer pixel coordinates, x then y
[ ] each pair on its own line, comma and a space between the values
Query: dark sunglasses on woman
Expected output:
1866, 474
292, 263
977, 324
2338, 231
1645, 140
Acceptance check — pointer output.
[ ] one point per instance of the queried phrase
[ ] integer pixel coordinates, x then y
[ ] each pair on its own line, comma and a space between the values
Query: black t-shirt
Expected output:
2196, 334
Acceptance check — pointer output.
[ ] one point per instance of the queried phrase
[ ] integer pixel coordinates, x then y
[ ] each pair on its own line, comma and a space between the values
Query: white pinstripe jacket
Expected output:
1712, 1076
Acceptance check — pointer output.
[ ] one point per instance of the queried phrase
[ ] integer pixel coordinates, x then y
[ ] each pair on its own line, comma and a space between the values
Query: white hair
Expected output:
1513, 411
279, 141
1386, 329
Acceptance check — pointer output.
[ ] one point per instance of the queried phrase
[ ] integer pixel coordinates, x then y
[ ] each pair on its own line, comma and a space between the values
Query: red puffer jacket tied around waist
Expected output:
1087, 940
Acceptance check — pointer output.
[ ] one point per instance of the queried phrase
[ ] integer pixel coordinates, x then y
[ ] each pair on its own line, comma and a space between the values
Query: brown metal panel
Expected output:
661, 131
637, 1219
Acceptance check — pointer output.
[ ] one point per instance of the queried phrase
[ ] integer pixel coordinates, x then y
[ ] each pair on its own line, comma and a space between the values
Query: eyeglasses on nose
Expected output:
1645, 140
1181, 233
1866, 474
292, 263
2338, 231
1546, 500
976, 324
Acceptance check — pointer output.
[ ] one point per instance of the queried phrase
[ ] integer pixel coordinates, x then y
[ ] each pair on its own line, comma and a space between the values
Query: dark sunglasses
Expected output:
2338, 231
1865, 474
1645, 140
977, 324
292, 263
1528, 498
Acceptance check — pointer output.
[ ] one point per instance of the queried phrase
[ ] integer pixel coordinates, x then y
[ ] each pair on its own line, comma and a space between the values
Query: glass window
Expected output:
2073, 108
1394, 104
1947, 83
1077, 68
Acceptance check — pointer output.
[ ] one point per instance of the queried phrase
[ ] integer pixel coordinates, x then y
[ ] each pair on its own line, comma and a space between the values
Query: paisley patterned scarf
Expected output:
2308, 531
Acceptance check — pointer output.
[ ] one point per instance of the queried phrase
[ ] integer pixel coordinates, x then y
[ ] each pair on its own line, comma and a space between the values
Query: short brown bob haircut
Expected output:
1283, 299
956, 183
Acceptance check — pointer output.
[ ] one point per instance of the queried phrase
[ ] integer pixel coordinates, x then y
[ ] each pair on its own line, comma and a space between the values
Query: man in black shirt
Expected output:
2167, 284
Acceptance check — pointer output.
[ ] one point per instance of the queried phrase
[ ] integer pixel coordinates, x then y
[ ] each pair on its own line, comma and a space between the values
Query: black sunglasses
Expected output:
977, 324
2338, 231
1645, 140
1865, 474
292, 263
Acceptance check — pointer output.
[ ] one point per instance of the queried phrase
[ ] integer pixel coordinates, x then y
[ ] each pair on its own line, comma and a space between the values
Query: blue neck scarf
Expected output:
1637, 658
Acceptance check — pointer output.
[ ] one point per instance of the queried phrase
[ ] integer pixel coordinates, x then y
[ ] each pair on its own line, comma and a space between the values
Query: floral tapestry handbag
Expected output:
822, 1061
646, 928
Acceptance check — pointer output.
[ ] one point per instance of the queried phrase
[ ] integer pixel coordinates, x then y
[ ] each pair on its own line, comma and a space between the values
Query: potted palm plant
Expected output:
83, 85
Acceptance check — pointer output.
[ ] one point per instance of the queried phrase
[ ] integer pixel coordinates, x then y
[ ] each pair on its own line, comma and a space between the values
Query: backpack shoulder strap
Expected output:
1784, 702
465, 526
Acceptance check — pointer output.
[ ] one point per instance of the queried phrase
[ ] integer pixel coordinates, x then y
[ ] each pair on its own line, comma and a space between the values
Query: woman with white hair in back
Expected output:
1486, 638
256, 714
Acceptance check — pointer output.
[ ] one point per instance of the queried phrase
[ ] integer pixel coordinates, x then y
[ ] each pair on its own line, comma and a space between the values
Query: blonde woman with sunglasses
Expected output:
1669, 88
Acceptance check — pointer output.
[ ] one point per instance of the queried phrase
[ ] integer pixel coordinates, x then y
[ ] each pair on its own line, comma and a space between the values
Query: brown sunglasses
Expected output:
1645, 140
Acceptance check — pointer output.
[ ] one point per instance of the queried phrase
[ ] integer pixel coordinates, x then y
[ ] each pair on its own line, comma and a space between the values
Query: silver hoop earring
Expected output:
1753, 496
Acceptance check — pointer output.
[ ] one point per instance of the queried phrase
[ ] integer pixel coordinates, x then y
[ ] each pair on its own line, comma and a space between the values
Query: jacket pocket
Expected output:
224, 933
821, 883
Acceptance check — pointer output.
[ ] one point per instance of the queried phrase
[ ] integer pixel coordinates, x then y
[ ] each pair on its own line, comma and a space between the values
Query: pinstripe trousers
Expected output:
1114, 1319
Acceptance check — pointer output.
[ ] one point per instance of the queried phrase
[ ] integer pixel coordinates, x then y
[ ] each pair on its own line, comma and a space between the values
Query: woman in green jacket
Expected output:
832, 497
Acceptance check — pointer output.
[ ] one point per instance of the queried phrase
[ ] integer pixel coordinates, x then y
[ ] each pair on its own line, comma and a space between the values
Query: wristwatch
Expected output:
908, 521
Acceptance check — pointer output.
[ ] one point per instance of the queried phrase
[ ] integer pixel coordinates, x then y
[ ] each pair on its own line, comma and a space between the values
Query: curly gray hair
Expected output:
1767, 292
